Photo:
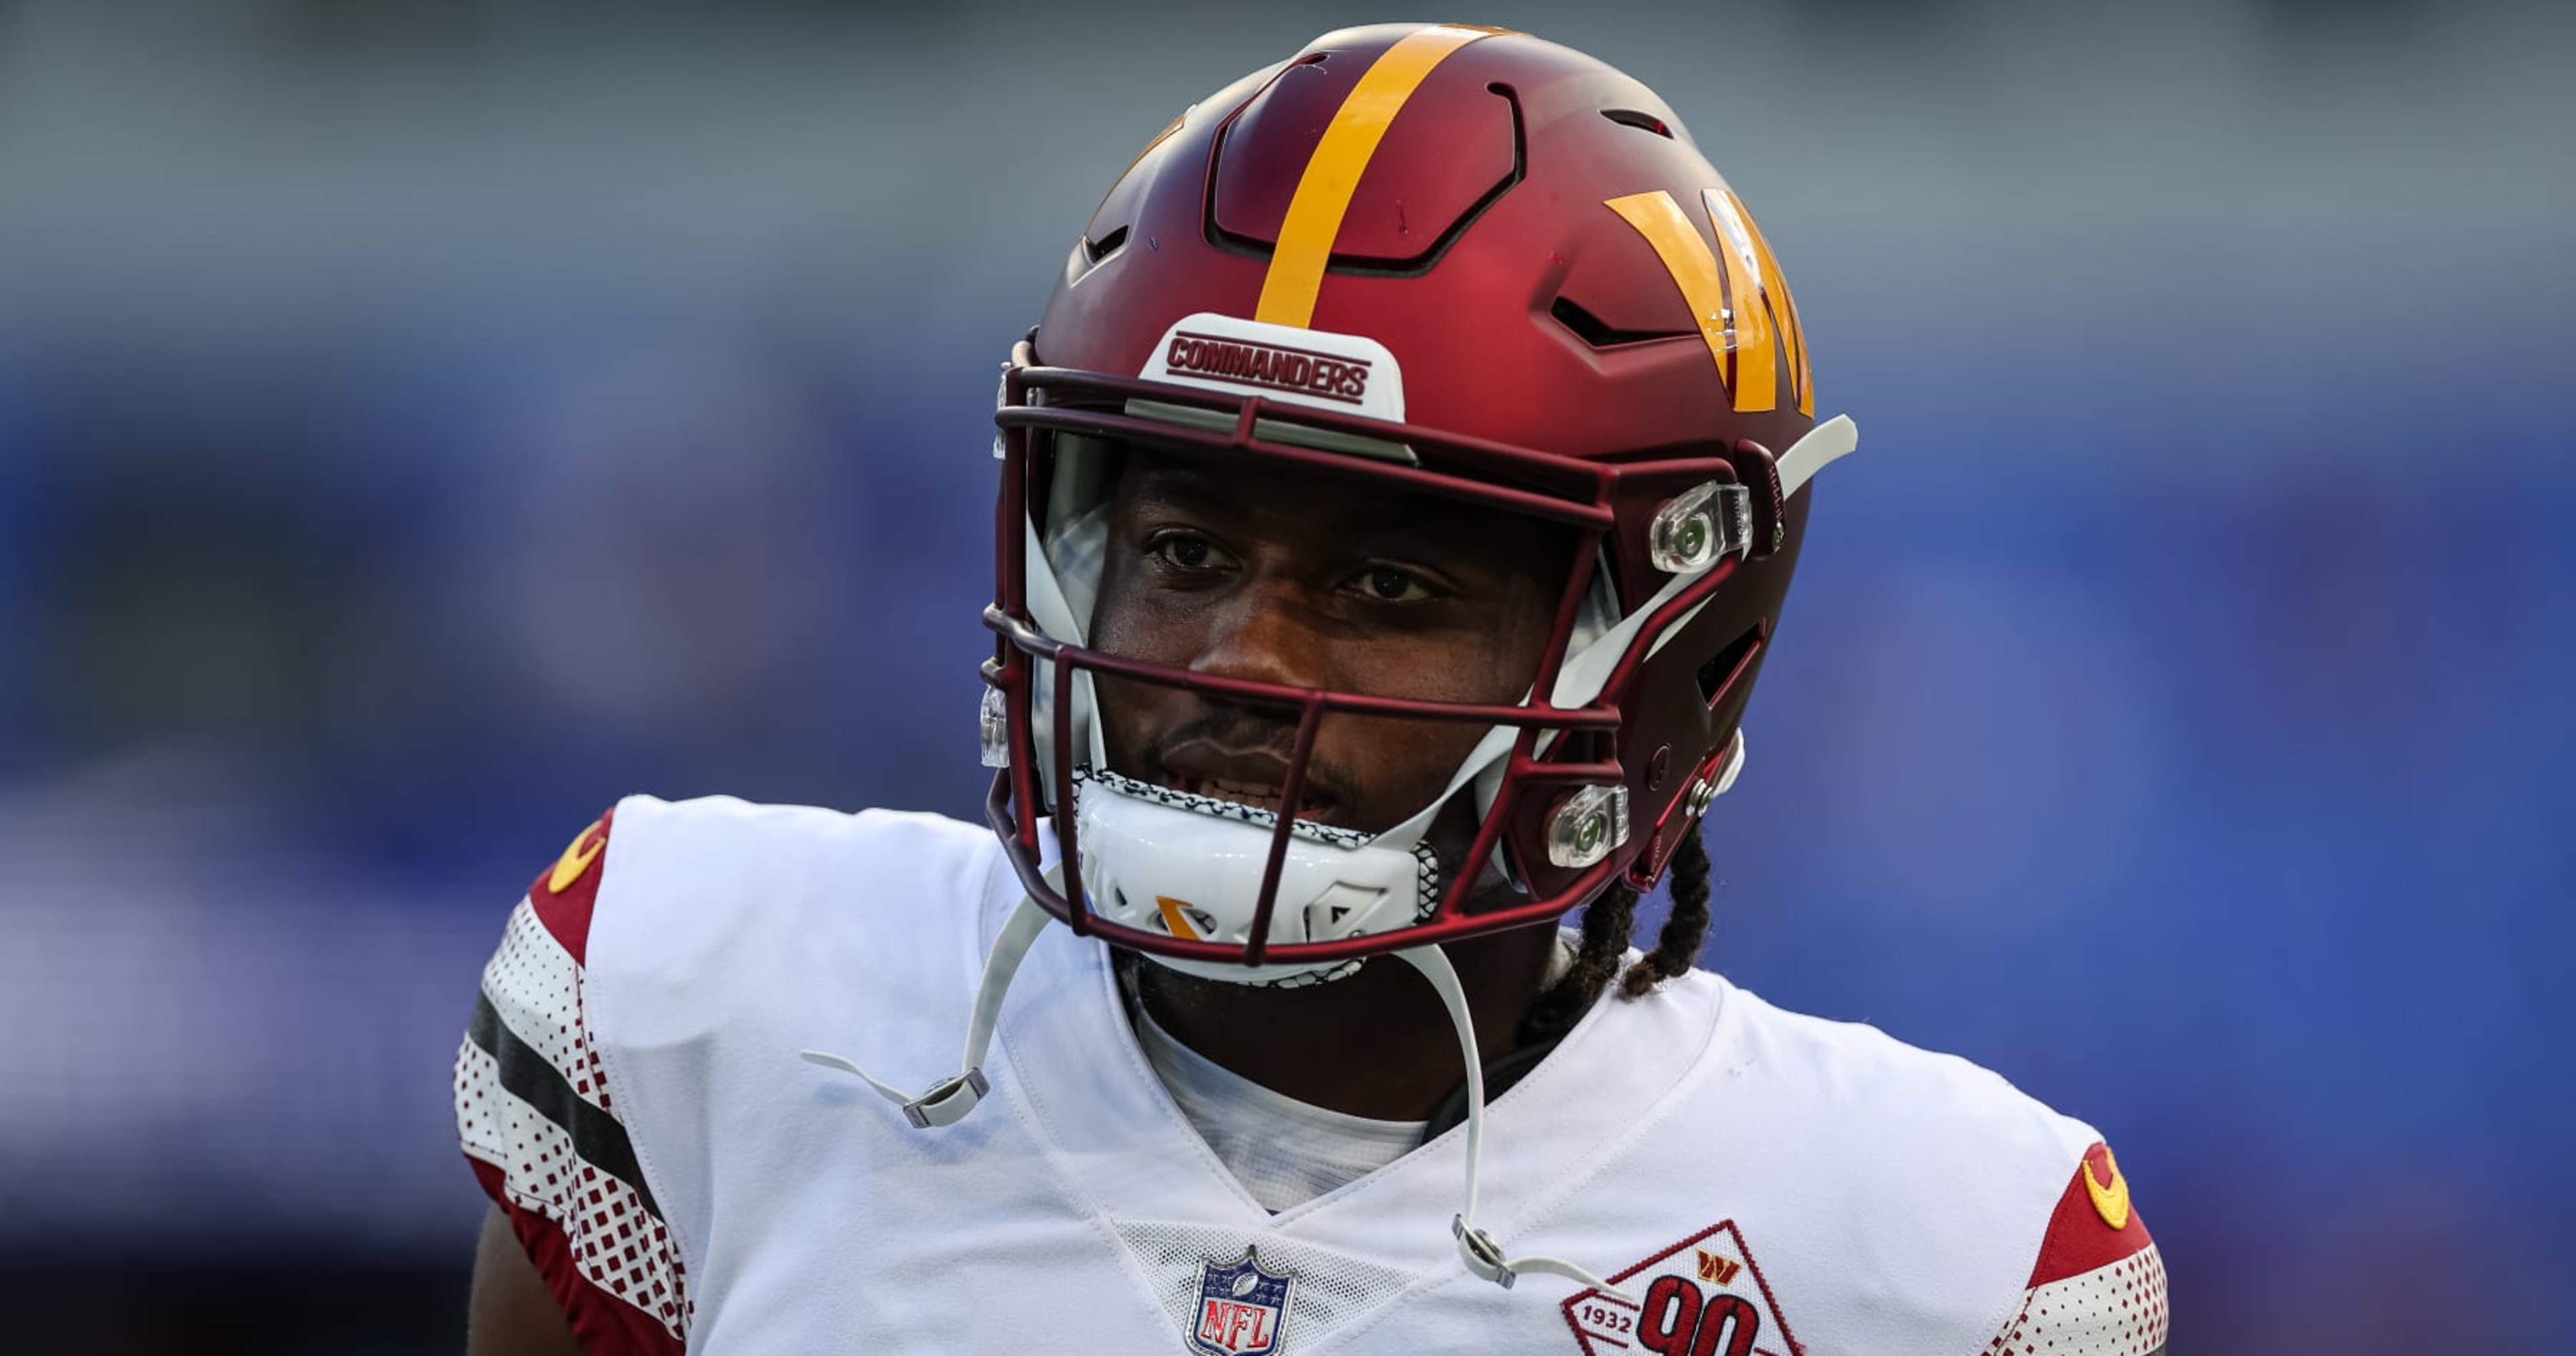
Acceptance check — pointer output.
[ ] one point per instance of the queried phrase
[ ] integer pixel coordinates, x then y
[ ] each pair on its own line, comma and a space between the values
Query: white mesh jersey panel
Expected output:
536, 988
1332, 1290
2117, 1310
617, 1244
615, 1241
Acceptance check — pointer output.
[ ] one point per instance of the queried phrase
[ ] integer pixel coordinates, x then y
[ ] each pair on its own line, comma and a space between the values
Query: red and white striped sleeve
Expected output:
2098, 1288
534, 1116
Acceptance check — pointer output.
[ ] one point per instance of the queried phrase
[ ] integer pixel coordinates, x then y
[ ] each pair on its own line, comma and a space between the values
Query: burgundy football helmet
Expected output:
1429, 260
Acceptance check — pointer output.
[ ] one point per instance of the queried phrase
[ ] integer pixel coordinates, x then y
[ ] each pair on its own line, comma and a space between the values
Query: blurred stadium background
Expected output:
421, 423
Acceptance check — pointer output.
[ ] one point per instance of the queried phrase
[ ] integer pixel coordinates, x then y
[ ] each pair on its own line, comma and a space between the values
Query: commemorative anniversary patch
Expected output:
1702, 1296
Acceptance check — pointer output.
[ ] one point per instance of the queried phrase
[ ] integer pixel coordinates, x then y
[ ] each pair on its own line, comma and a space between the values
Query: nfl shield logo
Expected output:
1241, 1307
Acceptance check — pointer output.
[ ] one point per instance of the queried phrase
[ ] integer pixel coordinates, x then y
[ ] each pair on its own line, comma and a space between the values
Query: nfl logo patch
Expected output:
1242, 1308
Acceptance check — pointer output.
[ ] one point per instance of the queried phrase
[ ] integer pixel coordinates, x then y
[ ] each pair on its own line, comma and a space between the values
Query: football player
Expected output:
1398, 497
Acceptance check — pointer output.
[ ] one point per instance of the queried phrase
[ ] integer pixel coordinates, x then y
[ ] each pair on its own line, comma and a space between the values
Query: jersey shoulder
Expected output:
719, 861
690, 919
665, 921
1944, 1108
716, 908
2098, 1285
2065, 1259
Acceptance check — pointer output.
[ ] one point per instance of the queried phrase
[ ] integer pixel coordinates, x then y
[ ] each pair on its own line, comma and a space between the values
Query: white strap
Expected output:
948, 1100
1824, 444
1476, 1248
1731, 766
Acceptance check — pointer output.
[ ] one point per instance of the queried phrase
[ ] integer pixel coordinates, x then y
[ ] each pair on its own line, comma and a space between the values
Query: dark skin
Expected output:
1298, 579
1305, 580
510, 1312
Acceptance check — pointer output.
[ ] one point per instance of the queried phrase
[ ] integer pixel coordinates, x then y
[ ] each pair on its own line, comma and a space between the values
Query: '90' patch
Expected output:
1702, 1296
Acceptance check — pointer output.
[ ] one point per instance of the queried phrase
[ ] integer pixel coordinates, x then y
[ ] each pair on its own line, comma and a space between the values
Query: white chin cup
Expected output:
1165, 861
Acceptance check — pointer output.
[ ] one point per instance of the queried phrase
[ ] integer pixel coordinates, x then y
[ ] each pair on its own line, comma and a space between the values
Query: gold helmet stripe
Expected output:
1323, 194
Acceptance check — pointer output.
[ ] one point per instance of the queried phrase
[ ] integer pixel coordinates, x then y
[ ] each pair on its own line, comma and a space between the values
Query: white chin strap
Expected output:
948, 1100
1826, 443
1477, 1249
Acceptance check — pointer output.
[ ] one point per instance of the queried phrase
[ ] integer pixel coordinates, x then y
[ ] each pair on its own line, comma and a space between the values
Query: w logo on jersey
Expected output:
1242, 1308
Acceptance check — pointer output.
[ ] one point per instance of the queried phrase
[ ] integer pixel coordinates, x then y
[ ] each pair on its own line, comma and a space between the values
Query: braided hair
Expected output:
1607, 925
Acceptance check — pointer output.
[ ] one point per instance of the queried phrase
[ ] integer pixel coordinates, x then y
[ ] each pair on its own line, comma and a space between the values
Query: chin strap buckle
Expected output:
1476, 1248
1483, 1256
948, 1101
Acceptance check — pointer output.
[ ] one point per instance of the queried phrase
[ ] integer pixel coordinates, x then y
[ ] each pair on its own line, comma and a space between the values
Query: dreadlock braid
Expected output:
1678, 945
1607, 924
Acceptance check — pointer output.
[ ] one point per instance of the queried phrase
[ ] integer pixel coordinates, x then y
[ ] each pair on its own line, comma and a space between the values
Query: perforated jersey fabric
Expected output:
539, 1126
1757, 1176
2117, 1310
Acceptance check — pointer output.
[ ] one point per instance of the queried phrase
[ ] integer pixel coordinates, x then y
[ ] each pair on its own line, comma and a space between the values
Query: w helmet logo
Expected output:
1736, 294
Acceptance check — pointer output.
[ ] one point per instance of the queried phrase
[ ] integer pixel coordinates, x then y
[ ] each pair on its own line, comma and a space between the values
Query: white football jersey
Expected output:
1765, 1184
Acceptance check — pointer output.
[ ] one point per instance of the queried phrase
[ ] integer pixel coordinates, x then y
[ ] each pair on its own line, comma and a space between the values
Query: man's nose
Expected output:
1262, 633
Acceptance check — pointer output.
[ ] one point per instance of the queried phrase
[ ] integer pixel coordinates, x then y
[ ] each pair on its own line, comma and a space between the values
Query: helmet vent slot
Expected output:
1718, 676
1643, 122
1089, 254
1599, 333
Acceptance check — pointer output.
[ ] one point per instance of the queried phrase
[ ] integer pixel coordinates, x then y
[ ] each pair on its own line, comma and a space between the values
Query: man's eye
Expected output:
1388, 584
1186, 552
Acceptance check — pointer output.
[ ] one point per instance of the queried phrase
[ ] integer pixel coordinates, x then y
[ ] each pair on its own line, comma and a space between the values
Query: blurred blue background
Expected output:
423, 422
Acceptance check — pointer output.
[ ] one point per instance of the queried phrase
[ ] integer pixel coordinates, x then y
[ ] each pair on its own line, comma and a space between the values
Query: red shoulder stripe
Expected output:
604, 1324
2094, 1225
563, 895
